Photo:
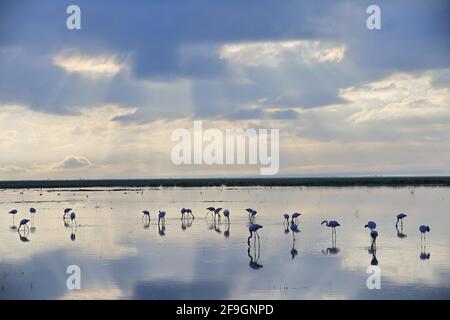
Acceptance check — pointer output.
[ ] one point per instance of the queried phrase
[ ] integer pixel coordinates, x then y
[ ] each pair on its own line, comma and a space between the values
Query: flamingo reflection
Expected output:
424, 254
372, 251
73, 233
333, 249
254, 254
186, 222
23, 235
162, 229
400, 233
226, 233
294, 251
294, 229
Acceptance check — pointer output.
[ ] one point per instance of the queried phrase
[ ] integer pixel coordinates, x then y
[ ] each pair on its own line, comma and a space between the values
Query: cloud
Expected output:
271, 54
402, 97
342, 95
73, 162
95, 66
12, 169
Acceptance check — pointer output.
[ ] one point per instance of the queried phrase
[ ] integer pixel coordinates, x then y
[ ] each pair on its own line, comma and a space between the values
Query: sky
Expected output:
103, 101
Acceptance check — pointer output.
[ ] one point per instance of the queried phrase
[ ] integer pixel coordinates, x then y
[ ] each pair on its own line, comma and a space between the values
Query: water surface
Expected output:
122, 256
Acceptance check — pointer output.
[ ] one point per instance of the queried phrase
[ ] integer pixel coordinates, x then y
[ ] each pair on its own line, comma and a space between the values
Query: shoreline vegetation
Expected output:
233, 182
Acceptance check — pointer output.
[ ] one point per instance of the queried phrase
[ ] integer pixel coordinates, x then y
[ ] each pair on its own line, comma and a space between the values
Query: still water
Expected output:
122, 256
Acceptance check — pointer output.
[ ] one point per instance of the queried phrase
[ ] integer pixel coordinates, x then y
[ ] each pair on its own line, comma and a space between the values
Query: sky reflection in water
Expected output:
123, 255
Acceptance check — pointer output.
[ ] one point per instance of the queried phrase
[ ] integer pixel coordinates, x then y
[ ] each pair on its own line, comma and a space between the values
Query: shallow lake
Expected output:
120, 255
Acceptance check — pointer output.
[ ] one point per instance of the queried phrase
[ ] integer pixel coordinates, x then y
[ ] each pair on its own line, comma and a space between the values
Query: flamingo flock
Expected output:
290, 223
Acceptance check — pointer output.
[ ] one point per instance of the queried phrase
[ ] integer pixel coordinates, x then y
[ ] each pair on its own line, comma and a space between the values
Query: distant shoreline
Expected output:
234, 182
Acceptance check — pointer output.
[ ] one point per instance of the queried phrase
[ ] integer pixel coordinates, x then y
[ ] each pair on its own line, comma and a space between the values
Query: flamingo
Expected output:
371, 225
294, 228
249, 210
66, 211
331, 224
183, 211
146, 214
13, 212
210, 210
32, 211
295, 216
217, 212
424, 254
23, 222
189, 211
400, 218
423, 230
162, 216
253, 214
73, 217
253, 229
226, 214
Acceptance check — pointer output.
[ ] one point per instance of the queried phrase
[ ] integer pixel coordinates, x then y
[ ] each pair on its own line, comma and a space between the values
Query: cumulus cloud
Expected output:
73, 162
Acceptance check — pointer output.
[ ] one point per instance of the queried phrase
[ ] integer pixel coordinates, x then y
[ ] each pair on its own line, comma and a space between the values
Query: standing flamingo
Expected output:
400, 218
249, 210
226, 214
217, 212
331, 224
253, 229
210, 210
23, 222
183, 211
73, 218
294, 228
66, 211
189, 212
162, 217
423, 230
252, 215
295, 216
13, 212
146, 214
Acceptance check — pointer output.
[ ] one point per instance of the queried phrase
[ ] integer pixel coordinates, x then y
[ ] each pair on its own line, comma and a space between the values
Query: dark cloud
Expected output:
167, 40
